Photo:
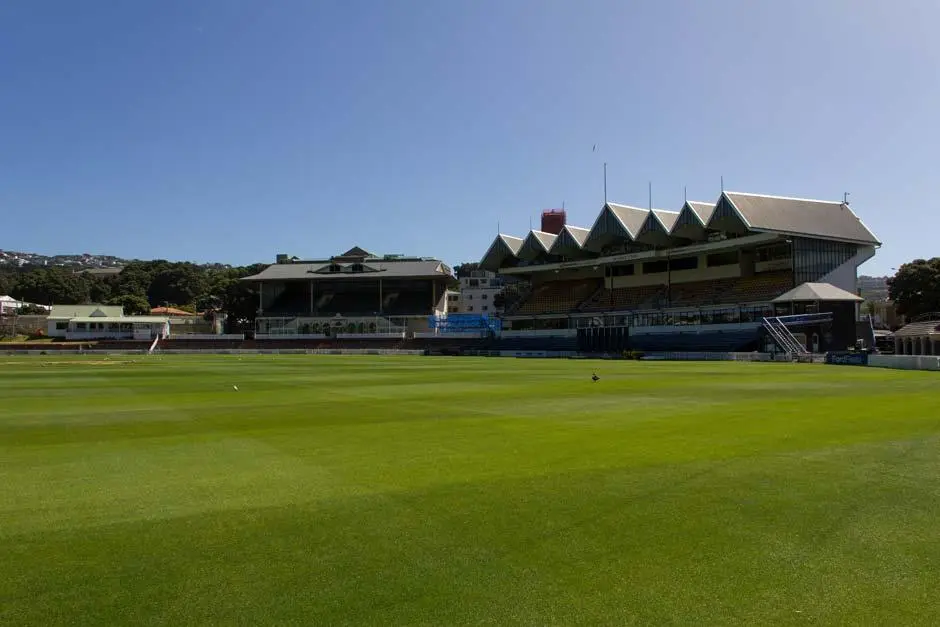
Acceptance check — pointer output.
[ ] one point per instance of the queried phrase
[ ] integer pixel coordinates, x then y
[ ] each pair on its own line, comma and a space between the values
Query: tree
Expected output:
133, 304
464, 270
915, 289
30, 309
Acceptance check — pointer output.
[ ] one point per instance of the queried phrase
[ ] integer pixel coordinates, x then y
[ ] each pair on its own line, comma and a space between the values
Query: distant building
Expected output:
9, 305
103, 322
477, 294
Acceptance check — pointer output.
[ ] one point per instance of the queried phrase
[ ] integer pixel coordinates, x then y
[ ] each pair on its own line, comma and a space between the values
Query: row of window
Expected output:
678, 264
470, 308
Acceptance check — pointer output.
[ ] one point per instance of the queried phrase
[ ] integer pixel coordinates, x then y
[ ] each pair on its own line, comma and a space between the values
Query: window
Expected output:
654, 267
627, 270
61, 326
684, 263
470, 308
773, 253
485, 297
722, 259
469, 296
485, 308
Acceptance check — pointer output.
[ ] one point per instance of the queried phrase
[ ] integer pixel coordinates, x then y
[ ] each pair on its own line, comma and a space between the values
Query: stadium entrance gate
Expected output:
603, 339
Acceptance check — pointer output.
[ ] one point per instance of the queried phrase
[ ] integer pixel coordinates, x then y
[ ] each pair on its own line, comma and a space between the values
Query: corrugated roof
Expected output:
122, 319
571, 238
666, 218
76, 311
632, 218
915, 329
815, 218
703, 210
384, 270
817, 291
578, 233
547, 239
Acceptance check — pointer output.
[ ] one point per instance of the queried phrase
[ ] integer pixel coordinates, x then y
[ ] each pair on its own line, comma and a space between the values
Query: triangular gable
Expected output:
690, 224
610, 227
654, 230
504, 248
356, 252
726, 218
536, 245
570, 242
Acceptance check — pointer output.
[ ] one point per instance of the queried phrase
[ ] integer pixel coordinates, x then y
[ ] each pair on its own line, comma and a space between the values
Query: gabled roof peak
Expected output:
830, 202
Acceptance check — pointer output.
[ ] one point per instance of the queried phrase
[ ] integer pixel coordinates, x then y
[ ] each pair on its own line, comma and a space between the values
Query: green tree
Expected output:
47, 286
464, 270
915, 288
31, 310
133, 304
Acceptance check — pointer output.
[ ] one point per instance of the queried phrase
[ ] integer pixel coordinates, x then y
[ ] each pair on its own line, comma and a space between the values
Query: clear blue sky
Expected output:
228, 130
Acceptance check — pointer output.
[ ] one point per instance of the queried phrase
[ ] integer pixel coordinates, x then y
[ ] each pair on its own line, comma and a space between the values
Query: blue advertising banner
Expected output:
846, 358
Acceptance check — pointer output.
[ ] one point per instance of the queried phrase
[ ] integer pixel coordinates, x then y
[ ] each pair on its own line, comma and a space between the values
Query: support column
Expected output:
898, 346
260, 298
433, 295
380, 295
312, 284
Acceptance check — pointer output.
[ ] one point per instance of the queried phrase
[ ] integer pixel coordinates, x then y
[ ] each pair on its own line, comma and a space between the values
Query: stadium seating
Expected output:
626, 299
733, 291
558, 296
759, 288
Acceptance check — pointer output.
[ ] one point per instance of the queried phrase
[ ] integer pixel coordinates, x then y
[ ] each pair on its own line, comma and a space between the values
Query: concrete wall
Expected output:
905, 362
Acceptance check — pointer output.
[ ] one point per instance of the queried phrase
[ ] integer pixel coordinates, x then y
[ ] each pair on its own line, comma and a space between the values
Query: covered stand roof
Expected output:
503, 247
355, 263
822, 292
570, 242
921, 327
535, 245
692, 220
615, 223
734, 213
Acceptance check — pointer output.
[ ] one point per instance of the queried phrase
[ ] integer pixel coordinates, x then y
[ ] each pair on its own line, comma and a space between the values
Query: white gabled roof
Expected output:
817, 292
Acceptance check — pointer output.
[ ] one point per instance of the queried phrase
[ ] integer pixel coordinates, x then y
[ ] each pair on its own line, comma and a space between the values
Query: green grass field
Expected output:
437, 491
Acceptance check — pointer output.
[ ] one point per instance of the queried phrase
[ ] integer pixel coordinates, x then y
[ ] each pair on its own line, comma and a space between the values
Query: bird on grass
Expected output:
595, 378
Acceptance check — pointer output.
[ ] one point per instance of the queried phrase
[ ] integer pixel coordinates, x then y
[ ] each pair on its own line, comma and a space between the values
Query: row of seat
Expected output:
589, 296
558, 296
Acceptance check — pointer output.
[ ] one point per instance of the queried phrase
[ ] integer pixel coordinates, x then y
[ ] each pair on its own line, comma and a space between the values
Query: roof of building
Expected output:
703, 210
86, 311
170, 311
666, 218
742, 213
121, 319
919, 329
817, 292
632, 218
570, 239
371, 268
798, 216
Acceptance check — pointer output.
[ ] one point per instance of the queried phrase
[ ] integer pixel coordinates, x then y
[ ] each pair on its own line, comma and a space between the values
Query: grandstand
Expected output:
354, 295
711, 276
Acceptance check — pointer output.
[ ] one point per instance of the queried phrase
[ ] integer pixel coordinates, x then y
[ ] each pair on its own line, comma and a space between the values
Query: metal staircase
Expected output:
779, 329
783, 337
